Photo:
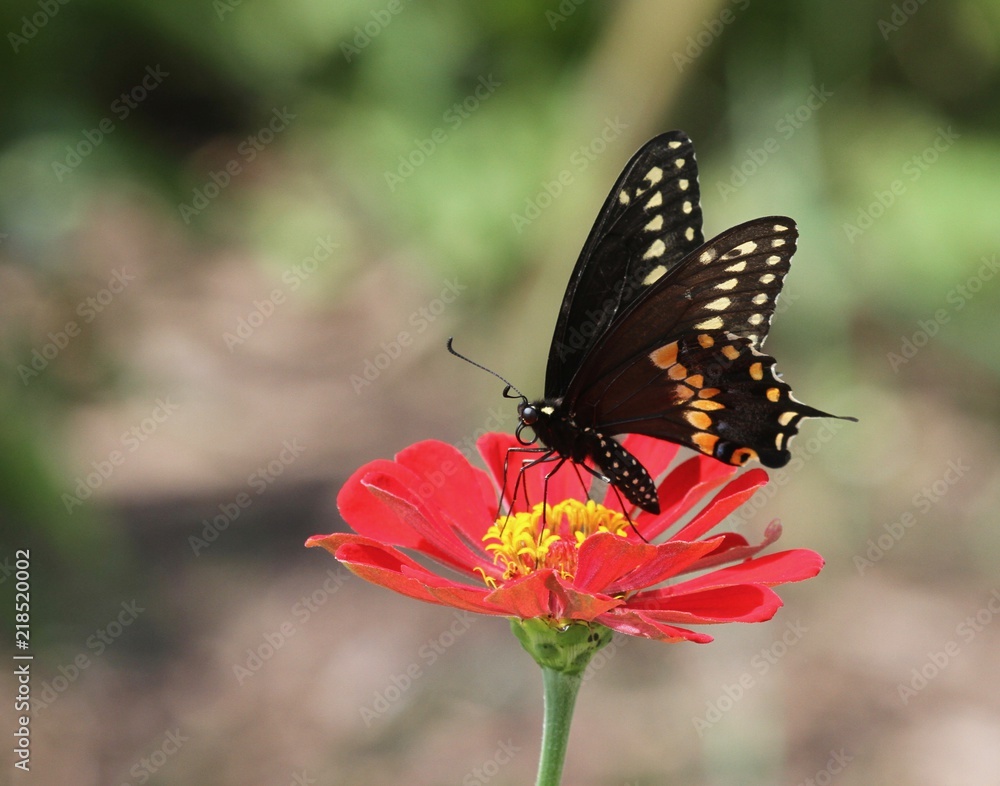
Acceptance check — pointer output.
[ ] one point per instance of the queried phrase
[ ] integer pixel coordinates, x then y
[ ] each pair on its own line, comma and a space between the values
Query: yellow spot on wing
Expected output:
786, 417
730, 352
656, 249
707, 405
654, 275
707, 256
730, 284
710, 324
739, 267
654, 201
654, 176
719, 304
773, 394
683, 184
689, 233
695, 380
679, 163
706, 340
757, 371
767, 278
655, 225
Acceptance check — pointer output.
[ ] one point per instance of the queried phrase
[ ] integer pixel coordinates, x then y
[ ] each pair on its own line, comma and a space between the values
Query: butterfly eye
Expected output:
528, 414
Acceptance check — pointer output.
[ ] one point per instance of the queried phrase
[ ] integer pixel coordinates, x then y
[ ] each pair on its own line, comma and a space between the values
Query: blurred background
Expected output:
234, 236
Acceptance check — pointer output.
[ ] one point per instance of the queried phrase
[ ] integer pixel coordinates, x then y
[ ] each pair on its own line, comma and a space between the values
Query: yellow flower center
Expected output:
548, 536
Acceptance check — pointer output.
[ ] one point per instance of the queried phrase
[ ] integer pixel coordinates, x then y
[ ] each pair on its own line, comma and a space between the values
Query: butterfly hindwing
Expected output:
650, 221
711, 391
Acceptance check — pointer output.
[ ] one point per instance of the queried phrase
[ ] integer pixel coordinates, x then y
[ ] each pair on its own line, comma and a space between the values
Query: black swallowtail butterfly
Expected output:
660, 333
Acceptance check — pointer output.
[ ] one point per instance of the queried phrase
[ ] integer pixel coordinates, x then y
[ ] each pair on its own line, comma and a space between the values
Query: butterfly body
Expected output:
660, 333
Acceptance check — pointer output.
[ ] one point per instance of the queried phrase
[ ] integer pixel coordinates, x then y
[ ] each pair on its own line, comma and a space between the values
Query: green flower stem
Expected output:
563, 652
560, 697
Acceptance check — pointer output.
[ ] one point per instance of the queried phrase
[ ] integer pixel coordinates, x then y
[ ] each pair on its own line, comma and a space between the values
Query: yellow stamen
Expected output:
521, 544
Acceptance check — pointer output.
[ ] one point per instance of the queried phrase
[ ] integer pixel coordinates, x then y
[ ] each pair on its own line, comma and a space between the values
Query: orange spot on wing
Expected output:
665, 356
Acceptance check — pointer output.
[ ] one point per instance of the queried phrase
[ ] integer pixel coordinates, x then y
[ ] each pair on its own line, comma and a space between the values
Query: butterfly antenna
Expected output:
510, 387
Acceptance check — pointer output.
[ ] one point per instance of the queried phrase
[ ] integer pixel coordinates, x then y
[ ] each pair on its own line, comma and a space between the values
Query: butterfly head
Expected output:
529, 415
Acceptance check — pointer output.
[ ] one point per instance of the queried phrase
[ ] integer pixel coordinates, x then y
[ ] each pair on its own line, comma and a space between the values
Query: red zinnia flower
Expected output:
579, 560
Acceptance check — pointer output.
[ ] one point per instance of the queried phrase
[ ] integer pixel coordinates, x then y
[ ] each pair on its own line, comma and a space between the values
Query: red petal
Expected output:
769, 570
544, 594
735, 548
740, 603
668, 560
680, 491
636, 623
449, 484
389, 568
722, 504
438, 534
604, 558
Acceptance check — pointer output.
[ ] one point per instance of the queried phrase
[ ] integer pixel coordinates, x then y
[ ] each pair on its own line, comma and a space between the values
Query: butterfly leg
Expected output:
518, 482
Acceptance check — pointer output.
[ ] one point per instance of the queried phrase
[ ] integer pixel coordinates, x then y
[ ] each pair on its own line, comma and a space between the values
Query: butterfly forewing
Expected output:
650, 221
